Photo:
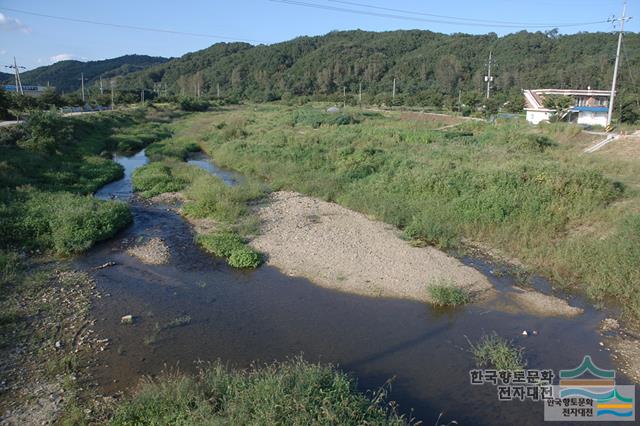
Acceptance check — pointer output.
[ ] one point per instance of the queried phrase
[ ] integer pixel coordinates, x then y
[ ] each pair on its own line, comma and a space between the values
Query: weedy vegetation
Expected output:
293, 392
522, 190
445, 293
493, 351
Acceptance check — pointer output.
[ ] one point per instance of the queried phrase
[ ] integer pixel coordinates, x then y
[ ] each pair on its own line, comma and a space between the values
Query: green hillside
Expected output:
430, 68
65, 75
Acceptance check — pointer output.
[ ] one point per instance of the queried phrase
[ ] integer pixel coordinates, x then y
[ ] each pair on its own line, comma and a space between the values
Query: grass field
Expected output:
528, 192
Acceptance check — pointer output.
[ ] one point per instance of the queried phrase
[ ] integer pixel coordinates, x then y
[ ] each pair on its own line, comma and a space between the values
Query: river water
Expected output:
264, 315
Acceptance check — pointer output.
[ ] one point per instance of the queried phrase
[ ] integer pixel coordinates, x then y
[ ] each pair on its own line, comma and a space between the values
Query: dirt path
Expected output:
344, 250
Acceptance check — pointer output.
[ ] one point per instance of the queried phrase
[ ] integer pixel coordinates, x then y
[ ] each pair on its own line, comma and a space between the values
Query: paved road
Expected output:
69, 114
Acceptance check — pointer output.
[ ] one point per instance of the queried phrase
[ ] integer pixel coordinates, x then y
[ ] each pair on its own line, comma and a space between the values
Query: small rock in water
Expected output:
535, 332
127, 319
106, 265
524, 333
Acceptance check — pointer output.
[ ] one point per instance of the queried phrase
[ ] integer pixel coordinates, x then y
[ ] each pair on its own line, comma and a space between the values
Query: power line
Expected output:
436, 21
486, 21
130, 27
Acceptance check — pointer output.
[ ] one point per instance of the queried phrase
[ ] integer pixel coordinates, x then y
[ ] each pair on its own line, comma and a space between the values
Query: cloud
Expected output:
12, 24
64, 57
3, 51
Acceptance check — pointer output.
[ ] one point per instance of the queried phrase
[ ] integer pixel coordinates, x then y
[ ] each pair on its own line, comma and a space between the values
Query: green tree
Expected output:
561, 105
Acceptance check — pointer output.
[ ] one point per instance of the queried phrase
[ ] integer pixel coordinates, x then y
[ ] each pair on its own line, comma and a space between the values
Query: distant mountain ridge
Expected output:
423, 63
65, 75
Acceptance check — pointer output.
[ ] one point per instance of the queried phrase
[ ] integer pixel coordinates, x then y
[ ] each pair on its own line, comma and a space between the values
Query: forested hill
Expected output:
65, 75
425, 64
4, 77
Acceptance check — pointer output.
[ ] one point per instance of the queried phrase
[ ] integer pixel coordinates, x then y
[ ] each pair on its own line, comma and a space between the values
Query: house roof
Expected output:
534, 97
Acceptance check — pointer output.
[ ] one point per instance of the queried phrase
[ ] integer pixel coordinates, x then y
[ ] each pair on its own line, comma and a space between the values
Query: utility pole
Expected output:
16, 72
459, 100
360, 93
112, 96
101, 89
218, 90
622, 20
489, 78
344, 96
82, 86
393, 96
142, 96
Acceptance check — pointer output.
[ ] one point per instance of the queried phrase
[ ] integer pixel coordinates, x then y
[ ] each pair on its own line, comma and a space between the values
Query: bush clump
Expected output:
45, 132
293, 392
63, 222
443, 293
157, 178
231, 246
244, 257
193, 105
493, 351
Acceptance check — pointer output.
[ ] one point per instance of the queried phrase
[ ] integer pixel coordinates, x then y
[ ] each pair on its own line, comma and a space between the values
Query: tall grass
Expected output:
293, 392
493, 351
518, 189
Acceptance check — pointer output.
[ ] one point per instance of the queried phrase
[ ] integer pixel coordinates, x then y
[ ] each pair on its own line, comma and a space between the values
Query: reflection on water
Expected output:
121, 189
228, 176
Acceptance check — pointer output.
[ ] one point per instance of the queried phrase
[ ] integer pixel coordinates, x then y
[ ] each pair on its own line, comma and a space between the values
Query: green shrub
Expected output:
231, 246
68, 223
244, 257
191, 104
220, 244
46, 132
293, 392
493, 351
444, 293
157, 178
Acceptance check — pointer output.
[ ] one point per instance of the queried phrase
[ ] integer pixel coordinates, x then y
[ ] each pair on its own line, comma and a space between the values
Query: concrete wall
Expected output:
535, 117
592, 118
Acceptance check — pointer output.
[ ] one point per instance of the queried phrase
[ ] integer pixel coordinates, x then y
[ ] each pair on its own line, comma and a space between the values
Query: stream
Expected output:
264, 315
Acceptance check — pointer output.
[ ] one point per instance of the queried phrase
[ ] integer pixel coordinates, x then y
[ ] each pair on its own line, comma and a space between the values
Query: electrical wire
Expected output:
486, 21
130, 27
436, 21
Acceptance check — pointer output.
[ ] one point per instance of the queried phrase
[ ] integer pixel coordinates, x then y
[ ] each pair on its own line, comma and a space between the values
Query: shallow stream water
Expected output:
264, 315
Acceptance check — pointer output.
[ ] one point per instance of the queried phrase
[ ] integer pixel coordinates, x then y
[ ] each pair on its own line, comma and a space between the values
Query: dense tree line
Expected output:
429, 68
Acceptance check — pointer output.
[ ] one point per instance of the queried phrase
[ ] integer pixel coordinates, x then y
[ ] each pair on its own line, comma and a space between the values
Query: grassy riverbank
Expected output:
525, 191
50, 167
293, 392
207, 197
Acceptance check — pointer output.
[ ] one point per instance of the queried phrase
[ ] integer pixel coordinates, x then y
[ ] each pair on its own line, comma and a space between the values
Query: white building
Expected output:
590, 106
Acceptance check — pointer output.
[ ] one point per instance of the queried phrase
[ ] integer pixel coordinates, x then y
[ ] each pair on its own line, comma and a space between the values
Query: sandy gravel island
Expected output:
152, 251
345, 250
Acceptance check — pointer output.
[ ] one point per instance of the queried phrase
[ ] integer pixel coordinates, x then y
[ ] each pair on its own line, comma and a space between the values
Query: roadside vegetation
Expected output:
493, 351
524, 191
293, 392
50, 167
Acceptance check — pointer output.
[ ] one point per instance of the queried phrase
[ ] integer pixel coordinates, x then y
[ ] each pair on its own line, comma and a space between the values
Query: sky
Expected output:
39, 40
